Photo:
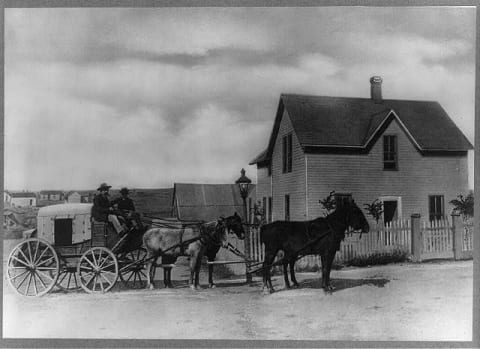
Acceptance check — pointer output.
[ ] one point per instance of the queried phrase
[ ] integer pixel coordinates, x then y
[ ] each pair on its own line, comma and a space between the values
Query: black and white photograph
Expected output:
263, 175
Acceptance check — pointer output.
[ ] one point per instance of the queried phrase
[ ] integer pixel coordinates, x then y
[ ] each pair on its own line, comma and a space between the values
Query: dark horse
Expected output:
171, 243
321, 236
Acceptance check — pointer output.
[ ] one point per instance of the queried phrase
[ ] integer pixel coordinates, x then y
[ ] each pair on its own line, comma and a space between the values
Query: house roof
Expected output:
343, 122
21, 194
154, 202
206, 202
51, 192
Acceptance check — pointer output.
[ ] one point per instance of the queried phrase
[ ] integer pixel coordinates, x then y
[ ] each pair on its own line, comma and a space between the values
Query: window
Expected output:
390, 155
264, 204
436, 207
341, 198
287, 207
270, 204
287, 153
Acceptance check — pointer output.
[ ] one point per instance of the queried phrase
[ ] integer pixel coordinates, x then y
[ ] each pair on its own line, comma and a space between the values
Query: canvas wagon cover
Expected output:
66, 222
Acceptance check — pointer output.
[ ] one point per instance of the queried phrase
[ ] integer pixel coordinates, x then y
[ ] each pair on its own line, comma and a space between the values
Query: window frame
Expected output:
287, 150
438, 214
390, 150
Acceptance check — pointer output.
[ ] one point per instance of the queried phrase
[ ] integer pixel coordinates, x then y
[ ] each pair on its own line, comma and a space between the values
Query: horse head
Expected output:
354, 218
234, 225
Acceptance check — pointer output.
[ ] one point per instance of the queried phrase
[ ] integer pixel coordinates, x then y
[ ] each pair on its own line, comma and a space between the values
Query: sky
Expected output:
146, 98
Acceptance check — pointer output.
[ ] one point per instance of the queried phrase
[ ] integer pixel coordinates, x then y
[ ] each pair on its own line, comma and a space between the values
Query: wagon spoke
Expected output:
43, 283
18, 275
63, 278
23, 254
29, 252
108, 272
29, 282
94, 259
24, 279
109, 265
45, 261
35, 283
89, 281
110, 282
41, 255
91, 264
36, 250
20, 261
46, 275
101, 283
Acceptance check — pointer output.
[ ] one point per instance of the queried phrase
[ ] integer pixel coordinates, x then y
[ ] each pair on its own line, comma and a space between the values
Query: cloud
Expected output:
146, 97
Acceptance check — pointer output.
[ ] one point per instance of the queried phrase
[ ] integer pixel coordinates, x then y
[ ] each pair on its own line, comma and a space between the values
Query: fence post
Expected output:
416, 238
457, 231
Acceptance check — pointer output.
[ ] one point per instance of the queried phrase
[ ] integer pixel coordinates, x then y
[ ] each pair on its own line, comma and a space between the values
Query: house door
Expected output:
390, 211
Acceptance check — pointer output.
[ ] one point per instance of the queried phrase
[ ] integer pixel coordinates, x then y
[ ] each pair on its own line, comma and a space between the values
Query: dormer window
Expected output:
390, 152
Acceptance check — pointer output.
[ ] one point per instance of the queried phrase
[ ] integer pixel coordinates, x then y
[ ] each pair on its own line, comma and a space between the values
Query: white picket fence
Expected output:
395, 236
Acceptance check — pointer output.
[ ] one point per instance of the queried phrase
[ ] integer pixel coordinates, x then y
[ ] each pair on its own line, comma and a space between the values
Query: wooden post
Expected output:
457, 231
416, 238
248, 276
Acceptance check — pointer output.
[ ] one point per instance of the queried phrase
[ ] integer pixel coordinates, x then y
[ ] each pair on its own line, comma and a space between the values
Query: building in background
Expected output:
409, 155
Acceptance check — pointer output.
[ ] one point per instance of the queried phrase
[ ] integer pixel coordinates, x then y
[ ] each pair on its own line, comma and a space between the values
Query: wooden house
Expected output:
20, 199
407, 154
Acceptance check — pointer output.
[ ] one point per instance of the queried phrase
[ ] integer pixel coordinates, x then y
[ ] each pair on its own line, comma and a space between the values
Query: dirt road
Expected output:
408, 302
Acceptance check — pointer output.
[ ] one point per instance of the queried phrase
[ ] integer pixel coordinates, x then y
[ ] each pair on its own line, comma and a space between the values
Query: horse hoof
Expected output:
212, 286
296, 285
150, 287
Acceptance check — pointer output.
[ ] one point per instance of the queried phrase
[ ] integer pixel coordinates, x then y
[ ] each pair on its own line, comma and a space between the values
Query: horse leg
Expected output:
267, 280
197, 272
329, 259
169, 278
324, 271
210, 273
148, 268
285, 273
292, 272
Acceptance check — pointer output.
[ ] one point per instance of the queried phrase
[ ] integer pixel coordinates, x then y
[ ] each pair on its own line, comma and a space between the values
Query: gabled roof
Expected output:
206, 202
154, 202
51, 192
354, 123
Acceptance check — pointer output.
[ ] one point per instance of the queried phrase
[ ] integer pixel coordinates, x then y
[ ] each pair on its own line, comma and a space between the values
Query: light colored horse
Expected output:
191, 241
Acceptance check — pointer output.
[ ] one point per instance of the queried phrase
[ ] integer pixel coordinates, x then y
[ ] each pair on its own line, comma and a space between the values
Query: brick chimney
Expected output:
376, 89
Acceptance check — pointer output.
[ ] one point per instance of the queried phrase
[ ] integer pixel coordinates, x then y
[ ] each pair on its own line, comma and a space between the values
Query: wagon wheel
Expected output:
97, 270
132, 266
68, 279
68, 276
33, 267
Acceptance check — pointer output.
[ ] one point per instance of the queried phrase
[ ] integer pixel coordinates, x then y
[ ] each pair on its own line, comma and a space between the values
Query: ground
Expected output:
406, 302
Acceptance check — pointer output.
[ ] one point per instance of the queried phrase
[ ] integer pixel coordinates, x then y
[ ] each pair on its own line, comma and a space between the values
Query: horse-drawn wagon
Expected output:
69, 250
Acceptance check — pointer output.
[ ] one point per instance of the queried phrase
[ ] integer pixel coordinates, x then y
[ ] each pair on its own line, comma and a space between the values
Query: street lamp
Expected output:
243, 185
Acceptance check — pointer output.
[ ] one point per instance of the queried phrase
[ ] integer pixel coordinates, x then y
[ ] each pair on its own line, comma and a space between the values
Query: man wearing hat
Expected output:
124, 202
102, 210
127, 209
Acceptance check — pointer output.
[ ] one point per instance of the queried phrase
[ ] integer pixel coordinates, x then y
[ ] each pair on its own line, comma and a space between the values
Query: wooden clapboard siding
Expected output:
362, 175
264, 184
292, 183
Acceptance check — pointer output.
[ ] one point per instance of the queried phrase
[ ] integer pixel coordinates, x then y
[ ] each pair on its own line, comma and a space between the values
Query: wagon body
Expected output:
65, 224
69, 250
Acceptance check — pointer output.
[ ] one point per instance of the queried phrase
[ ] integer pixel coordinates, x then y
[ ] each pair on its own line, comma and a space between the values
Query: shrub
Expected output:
379, 258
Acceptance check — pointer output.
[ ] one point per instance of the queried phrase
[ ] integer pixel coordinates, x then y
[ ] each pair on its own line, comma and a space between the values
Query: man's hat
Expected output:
104, 186
124, 191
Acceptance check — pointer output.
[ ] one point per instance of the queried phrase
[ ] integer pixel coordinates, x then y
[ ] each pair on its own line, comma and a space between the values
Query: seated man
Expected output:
124, 204
102, 211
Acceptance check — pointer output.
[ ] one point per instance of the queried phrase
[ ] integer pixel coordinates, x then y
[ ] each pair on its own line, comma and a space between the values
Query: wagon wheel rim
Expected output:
132, 271
33, 268
97, 270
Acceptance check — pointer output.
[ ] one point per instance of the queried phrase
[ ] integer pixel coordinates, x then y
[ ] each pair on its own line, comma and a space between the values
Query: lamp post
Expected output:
243, 185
